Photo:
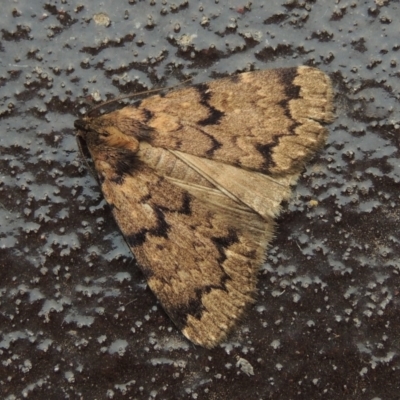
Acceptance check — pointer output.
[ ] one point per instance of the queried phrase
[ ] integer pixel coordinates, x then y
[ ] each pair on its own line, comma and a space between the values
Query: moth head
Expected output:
104, 133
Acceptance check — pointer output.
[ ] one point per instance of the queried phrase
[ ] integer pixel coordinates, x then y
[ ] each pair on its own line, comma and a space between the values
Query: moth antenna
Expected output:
85, 158
128, 96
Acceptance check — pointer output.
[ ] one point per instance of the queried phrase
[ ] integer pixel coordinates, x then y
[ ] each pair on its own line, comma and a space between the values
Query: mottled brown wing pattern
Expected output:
201, 263
267, 121
195, 178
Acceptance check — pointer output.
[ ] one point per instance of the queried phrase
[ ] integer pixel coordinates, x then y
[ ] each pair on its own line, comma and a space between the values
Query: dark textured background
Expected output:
77, 320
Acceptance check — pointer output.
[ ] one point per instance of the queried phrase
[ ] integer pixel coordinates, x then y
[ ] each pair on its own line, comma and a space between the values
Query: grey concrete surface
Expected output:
77, 320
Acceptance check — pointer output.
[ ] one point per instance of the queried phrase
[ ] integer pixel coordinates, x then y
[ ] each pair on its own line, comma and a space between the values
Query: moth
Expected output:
195, 178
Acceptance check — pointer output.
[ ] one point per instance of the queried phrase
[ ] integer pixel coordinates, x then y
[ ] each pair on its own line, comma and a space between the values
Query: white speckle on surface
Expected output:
122, 276
69, 376
296, 298
44, 344
50, 306
102, 339
100, 310
124, 387
102, 19
275, 344
96, 96
26, 367
119, 346
245, 366
357, 322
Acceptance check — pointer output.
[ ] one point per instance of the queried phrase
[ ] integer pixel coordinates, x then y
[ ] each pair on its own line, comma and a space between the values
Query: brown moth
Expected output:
196, 177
